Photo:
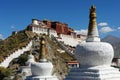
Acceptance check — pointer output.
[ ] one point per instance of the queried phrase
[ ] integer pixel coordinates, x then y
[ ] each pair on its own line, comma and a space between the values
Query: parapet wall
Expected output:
61, 45
69, 40
15, 54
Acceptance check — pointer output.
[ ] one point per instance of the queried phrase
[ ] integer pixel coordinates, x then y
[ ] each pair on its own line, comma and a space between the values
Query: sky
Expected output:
15, 15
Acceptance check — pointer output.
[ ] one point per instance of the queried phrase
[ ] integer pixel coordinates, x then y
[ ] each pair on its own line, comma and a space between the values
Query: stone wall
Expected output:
69, 40
15, 54
61, 45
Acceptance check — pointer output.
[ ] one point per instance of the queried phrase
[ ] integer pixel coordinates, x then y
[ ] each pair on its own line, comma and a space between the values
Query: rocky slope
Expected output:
14, 42
21, 38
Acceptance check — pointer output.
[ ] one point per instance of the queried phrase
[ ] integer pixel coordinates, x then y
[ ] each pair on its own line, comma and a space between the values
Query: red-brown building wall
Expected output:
65, 29
61, 28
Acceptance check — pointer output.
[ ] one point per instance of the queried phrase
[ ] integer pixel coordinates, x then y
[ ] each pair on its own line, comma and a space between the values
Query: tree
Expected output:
5, 72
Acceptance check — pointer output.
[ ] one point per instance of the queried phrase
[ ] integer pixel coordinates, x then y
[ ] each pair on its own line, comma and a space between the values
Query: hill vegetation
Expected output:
58, 59
14, 42
21, 39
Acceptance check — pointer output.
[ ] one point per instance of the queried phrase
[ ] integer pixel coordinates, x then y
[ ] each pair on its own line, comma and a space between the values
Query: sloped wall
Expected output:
15, 54
69, 40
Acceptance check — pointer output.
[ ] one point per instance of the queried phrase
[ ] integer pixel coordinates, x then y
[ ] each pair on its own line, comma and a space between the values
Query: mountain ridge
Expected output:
111, 39
115, 42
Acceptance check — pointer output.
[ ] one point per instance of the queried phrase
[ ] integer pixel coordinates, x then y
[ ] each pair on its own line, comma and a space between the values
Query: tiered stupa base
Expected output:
42, 78
94, 73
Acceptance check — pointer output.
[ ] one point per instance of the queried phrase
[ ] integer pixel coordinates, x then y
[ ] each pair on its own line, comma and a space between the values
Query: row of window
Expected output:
43, 29
39, 29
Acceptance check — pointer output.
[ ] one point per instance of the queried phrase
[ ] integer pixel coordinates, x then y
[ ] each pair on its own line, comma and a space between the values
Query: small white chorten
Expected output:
42, 70
26, 70
30, 59
94, 57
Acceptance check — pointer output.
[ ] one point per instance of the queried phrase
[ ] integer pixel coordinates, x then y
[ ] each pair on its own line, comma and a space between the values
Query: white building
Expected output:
39, 27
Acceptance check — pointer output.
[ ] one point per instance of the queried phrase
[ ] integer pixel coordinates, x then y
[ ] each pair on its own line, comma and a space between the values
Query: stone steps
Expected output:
108, 73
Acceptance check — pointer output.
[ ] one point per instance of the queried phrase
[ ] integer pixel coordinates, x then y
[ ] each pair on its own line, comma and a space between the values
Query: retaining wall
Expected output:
15, 54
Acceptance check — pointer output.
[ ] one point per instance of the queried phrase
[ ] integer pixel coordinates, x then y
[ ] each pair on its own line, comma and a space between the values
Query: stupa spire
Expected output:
92, 28
42, 49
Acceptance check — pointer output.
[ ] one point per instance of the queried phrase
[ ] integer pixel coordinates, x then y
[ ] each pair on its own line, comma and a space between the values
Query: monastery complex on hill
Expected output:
59, 30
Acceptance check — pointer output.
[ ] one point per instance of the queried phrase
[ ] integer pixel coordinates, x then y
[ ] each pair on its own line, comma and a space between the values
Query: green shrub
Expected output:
5, 72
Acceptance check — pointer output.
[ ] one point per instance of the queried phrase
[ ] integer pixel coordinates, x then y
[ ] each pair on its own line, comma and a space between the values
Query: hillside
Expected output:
14, 42
20, 39
115, 42
59, 59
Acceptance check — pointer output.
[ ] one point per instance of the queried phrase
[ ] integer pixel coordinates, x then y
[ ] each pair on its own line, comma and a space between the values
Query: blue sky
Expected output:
17, 14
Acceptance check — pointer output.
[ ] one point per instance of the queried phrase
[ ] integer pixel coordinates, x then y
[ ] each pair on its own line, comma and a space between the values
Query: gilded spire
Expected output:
42, 49
92, 28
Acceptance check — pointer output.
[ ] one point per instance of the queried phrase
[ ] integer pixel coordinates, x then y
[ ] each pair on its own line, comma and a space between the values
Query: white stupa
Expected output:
94, 56
30, 59
42, 70
26, 70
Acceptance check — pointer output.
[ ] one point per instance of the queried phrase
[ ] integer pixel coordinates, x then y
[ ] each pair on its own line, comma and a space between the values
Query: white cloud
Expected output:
118, 28
106, 29
12, 27
82, 31
103, 24
1, 36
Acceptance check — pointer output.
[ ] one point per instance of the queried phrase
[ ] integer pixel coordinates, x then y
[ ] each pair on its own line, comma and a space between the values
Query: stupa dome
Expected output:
94, 53
41, 69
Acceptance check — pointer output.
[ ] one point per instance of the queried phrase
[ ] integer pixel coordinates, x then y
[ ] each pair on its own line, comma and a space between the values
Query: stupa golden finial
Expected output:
42, 49
92, 28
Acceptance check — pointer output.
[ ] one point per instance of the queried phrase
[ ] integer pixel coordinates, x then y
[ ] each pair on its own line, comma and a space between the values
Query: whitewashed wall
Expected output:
69, 40
61, 45
15, 54
43, 30
53, 32
40, 30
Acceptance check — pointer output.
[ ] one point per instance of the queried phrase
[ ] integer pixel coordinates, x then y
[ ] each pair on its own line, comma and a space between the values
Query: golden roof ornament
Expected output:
92, 28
